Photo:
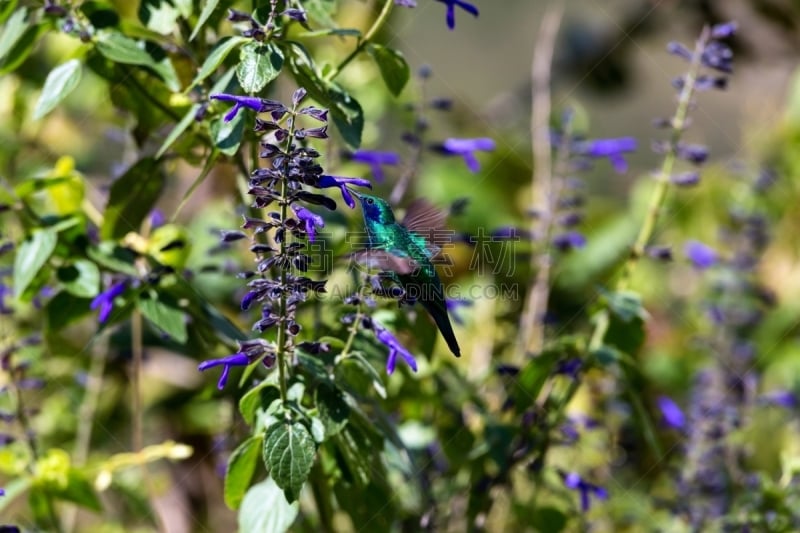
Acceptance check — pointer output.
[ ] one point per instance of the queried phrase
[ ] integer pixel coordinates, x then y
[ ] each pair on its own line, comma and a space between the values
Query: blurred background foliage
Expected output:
611, 68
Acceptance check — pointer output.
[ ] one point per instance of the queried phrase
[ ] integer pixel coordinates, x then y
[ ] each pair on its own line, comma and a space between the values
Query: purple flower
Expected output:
237, 359
405, 3
610, 148
702, 256
105, 300
157, 219
376, 159
671, 414
466, 148
726, 29
781, 398
335, 181
259, 105
5, 290
569, 240
395, 349
453, 304
451, 10
312, 220
575, 482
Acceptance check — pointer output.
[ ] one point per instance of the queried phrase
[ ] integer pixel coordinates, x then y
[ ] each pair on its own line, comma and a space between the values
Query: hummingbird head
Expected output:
375, 209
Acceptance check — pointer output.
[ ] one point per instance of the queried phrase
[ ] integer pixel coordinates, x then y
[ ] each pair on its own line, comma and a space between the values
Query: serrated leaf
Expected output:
208, 9
227, 136
13, 30
289, 455
61, 81
259, 64
165, 317
394, 69
81, 278
265, 509
215, 59
31, 256
241, 467
131, 198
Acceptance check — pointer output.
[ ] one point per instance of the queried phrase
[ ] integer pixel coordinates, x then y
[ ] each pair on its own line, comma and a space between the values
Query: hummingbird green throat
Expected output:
401, 248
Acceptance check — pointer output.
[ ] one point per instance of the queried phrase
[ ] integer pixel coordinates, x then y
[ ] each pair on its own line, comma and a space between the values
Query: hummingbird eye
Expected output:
370, 201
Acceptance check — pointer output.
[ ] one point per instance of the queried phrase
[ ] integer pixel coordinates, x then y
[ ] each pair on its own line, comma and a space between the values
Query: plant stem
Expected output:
543, 186
376, 26
138, 353
659, 195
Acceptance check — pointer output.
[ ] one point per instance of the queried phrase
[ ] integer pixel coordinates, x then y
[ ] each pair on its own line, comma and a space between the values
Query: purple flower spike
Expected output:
451, 10
671, 414
466, 148
342, 183
609, 148
569, 241
726, 29
574, 481
237, 359
376, 160
701, 255
259, 105
312, 220
105, 300
395, 349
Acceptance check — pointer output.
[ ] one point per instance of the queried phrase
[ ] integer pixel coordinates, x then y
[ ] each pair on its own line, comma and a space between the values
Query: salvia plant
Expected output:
263, 268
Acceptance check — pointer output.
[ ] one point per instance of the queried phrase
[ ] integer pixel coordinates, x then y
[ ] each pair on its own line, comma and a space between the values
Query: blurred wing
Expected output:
428, 222
385, 261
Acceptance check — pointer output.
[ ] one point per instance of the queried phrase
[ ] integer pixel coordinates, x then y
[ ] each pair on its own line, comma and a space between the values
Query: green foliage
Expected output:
289, 454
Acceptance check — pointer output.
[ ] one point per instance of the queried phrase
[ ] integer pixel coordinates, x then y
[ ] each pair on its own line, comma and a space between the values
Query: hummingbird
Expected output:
402, 250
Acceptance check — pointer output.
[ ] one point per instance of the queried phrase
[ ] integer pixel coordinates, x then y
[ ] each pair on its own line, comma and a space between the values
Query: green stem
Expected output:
375, 28
659, 195
353, 333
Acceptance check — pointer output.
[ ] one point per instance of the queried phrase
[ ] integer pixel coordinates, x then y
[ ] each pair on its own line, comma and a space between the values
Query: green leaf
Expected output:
158, 15
357, 372
164, 316
21, 48
81, 278
110, 255
208, 9
31, 256
179, 128
215, 59
393, 67
63, 309
345, 110
333, 408
117, 47
12, 32
78, 490
131, 198
265, 510
6, 9
259, 397
289, 454
61, 81
321, 11
532, 378
227, 136
259, 64
241, 467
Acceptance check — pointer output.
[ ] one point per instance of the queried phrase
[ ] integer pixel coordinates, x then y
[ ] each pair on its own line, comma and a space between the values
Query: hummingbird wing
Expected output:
427, 224
385, 261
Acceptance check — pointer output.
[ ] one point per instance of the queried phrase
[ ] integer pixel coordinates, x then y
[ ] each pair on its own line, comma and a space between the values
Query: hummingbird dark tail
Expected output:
438, 310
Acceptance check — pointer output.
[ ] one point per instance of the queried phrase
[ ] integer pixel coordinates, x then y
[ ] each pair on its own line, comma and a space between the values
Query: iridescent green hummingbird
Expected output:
402, 250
